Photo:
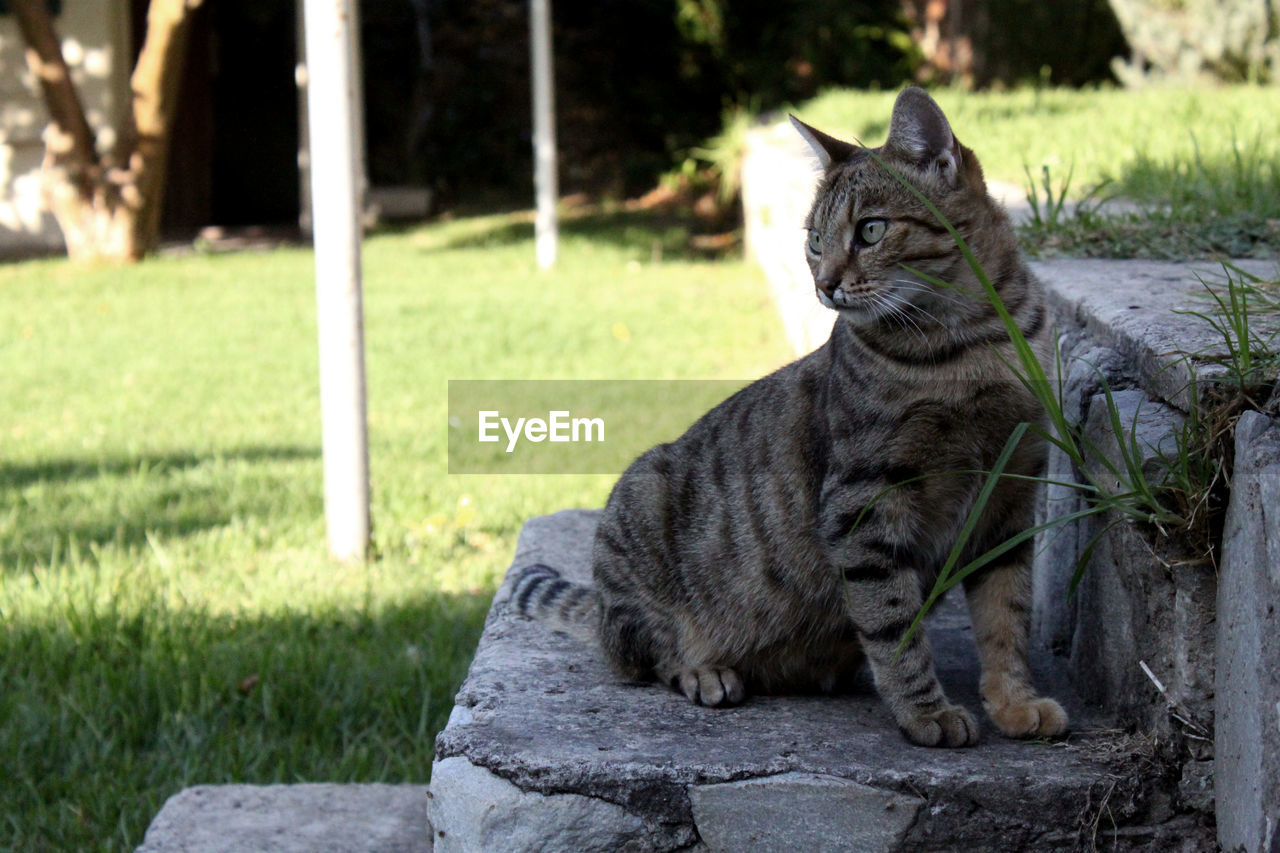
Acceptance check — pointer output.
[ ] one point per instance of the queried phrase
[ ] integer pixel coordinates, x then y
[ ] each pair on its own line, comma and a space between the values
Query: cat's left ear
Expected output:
828, 149
920, 131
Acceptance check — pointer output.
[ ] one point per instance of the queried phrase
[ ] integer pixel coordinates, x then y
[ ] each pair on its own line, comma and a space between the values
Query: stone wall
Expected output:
1140, 629
1247, 682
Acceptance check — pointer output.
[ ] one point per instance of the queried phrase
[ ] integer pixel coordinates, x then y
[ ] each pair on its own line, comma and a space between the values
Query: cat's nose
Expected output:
828, 285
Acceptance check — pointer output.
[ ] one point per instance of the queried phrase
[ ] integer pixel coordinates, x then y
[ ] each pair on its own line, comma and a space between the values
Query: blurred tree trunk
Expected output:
108, 206
947, 32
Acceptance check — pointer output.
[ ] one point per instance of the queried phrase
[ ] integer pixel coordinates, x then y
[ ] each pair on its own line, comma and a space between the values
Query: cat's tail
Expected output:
540, 593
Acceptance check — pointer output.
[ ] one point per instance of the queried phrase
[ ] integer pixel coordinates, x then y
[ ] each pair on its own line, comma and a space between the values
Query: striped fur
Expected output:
539, 592
753, 554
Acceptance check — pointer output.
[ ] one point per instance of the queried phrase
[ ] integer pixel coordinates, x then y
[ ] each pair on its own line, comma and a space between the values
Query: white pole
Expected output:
332, 99
545, 183
304, 142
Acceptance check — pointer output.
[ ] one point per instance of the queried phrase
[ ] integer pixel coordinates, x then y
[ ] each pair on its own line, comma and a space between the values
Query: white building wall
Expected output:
96, 44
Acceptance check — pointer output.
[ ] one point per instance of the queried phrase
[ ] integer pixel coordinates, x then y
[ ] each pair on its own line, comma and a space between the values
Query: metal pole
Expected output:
545, 183
332, 109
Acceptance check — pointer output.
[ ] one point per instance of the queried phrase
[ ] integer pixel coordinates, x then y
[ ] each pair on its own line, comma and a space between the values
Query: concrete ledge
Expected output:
293, 819
546, 743
1247, 731
1140, 309
802, 811
478, 810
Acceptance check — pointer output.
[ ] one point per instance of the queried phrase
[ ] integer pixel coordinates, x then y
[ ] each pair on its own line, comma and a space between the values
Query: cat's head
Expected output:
865, 226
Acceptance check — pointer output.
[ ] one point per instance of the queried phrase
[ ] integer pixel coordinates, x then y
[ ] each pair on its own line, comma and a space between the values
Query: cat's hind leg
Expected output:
697, 668
1000, 606
639, 645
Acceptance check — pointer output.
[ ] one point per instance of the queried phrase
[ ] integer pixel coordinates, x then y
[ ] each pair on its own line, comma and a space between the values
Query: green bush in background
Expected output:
1183, 41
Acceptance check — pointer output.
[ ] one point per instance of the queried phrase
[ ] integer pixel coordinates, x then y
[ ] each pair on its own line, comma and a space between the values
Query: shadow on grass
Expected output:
107, 714
59, 506
17, 475
1220, 205
644, 232
1002, 111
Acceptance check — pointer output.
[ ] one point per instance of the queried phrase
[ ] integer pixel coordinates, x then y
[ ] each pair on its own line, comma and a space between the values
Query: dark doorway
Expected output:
233, 159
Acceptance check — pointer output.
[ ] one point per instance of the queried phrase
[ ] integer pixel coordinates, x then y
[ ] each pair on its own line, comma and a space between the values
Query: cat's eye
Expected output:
815, 242
871, 230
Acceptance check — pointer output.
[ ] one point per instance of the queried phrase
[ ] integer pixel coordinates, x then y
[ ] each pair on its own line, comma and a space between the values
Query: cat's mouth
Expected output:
862, 304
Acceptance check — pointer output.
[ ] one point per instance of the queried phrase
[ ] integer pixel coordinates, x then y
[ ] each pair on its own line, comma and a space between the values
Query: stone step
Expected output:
293, 819
548, 750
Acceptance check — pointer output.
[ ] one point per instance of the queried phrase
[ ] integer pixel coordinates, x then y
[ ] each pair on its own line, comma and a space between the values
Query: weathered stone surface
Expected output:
801, 811
1138, 601
1247, 729
1085, 367
292, 819
1140, 309
543, 712
1148, 439
473, 810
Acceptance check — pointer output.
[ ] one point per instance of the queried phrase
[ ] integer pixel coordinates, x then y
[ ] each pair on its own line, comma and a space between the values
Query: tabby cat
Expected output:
749, 553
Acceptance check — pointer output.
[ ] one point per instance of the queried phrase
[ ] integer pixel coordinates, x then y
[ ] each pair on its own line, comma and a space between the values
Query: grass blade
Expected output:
944, 582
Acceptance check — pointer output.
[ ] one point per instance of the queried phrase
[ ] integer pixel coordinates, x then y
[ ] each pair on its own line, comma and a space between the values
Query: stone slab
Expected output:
1139, 308
292, 819
498, 815
801, 811
1247, 727
1148, 439
542, 712
1139, 603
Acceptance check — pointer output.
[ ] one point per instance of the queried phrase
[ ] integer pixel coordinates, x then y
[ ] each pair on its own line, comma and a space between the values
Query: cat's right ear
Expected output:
828, 149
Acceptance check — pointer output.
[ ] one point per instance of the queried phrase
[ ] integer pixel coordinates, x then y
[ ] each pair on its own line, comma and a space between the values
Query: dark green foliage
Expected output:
637, 81
1060, 44
653, 78
142, 703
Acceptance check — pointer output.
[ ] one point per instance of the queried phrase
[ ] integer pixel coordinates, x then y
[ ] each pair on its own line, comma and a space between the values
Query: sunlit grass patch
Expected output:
1198, 171
168, 612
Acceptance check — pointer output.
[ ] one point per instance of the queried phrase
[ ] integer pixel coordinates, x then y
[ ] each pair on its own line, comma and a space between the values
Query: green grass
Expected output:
168, 613
1203, 164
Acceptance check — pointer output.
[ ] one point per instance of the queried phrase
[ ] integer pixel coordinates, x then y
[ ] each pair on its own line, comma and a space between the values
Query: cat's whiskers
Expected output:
917, 287
899, 299
888, 302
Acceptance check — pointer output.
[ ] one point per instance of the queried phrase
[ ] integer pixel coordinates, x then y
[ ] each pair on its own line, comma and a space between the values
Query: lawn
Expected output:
168, 614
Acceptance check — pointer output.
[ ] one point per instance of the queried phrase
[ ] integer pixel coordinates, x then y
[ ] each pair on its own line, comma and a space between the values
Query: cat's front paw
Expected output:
950, 726
1035, 718
710, 686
